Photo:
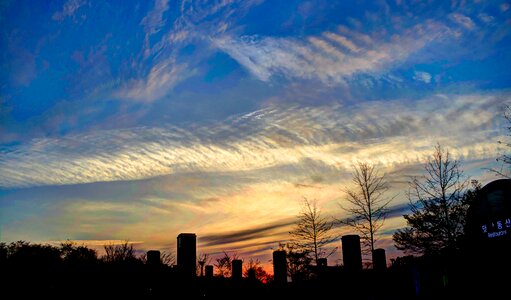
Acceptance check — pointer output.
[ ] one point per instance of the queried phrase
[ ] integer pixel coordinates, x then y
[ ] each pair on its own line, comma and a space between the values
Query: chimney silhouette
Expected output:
237, 266
187, 254
351, 253
280, 267
153, 257
379, 259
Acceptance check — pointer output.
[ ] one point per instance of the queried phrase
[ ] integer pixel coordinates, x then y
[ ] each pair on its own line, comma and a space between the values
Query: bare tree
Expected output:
437, 205
505, 159
119, 253
368, 203
203, 260
312, 231
168, 258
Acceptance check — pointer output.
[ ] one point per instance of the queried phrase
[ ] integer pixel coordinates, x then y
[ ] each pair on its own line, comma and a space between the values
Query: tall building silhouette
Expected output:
153, 257
351, 253
186, 254
237, 267
379, 259
280, 267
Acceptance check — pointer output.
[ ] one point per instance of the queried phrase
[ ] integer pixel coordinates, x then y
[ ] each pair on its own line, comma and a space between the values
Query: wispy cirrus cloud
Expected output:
388, 132
198, 20
331, 57
154, 20
68, 10
463, 20
161, 78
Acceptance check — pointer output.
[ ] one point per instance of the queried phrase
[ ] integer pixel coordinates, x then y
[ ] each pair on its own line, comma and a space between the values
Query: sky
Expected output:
139, 120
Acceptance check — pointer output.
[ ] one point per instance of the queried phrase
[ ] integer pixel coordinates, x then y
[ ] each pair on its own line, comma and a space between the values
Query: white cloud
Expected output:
162, 78
68, 10
422, 76
388, 132
331, 57
463, 21
486, 18
153, 21
341, 40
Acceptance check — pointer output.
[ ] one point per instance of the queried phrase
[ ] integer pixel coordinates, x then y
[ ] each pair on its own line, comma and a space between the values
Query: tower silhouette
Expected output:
280, 267
351, 253
186, 254
237, 266
209, 271
379, 259
153, 257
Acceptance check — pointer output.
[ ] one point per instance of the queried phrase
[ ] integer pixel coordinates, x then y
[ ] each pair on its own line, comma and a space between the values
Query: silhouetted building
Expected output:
379, 259
209, 271
153, 257
280, 267
322, 262
351, 253
186, 254
237, 267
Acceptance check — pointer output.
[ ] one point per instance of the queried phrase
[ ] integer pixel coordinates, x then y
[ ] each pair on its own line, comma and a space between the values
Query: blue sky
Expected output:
142, 119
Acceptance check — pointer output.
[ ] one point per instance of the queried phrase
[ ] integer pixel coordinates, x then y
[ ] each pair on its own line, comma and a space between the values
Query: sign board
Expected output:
489, 217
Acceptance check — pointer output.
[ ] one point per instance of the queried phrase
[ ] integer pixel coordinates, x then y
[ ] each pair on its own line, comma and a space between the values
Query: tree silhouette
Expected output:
168, 258
203, 260
368, 204
73, 253
437, 205
505, 159
312, 231
298, 262
119, 253
254, 270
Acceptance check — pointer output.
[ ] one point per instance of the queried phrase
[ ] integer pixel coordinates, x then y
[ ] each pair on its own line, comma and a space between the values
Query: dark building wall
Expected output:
237, 267
187, 254
379, 259
351, 253
280, 267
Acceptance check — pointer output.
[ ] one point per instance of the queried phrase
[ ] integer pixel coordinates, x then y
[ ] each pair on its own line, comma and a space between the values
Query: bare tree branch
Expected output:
505, 159
367, 203
312, 231
437, 206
